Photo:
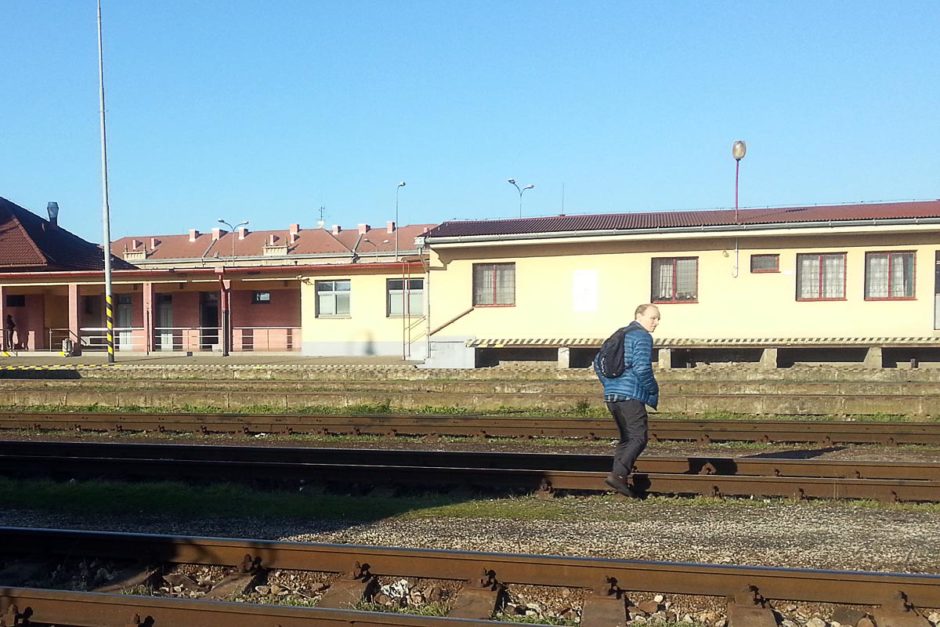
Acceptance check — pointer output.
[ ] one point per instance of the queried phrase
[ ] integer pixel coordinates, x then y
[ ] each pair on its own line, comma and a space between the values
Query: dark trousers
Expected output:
630, 417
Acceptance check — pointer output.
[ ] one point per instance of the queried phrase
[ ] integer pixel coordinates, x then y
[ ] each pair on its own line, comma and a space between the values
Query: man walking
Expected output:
628, 395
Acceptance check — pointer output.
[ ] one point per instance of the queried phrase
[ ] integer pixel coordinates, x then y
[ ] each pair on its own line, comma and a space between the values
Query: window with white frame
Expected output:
675, 280
404, 297
820, 276
333, 298
494, 284
889, 275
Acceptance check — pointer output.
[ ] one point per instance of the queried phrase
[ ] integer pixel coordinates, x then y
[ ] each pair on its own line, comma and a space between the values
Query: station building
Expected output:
305, 291
851, 283
774, 287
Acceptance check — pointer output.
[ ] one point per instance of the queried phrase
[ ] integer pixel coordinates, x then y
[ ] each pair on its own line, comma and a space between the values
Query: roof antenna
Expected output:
320, 222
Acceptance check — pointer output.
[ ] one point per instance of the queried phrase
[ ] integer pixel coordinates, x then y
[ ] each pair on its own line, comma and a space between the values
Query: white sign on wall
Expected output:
584, 291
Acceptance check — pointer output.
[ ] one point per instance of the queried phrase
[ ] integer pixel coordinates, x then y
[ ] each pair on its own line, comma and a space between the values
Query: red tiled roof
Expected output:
306, 242
30, 243
689, 219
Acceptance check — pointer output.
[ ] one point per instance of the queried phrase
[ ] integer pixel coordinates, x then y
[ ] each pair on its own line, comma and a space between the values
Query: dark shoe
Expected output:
620, 484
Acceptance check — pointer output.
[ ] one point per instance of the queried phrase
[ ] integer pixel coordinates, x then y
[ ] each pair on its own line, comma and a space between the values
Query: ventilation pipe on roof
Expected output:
53, 210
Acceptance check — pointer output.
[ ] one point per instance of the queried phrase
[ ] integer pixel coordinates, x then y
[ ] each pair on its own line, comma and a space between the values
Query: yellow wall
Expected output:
747, 306
367, 327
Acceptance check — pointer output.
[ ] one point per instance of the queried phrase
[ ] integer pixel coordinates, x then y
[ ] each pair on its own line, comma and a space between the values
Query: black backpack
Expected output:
609, 360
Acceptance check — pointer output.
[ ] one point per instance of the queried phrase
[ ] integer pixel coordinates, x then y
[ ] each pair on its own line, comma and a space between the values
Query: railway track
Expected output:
482, 582
769, 431
546, 473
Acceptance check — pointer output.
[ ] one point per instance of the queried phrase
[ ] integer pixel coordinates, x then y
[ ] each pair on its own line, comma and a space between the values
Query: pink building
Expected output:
216, 291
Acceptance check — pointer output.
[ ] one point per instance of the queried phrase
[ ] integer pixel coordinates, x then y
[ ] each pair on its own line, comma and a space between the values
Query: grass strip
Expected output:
186, 501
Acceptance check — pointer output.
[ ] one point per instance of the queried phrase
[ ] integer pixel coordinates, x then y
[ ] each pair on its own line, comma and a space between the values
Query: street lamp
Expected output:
397, 189
226, 302
233, 229
521, 191
738, 150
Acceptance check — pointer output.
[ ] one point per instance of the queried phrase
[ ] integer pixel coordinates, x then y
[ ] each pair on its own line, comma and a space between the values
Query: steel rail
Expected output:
890, 490
765, 465
822, 431
824, 586
117, 610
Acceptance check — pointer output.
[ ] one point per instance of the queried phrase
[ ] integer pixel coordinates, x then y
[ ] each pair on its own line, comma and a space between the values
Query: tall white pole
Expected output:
105, 209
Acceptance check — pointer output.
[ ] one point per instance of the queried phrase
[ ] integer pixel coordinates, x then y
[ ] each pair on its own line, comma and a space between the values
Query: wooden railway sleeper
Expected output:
357, 585
748, 608
248, 574
899, 612
605, 605
479, 599
137, 622
545, 490
14, 618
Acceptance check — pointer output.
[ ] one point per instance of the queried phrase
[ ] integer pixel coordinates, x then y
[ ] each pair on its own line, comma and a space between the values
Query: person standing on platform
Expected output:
9, 328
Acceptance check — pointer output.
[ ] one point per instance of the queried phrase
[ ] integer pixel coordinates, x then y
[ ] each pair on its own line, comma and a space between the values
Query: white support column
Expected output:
768, 358
664, 361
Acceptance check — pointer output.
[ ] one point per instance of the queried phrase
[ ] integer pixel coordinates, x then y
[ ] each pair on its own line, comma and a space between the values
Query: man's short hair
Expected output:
642, 309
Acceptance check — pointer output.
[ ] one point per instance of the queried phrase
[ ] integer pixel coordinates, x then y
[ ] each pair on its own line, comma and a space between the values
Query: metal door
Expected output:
125, 316
165, 322
936, 294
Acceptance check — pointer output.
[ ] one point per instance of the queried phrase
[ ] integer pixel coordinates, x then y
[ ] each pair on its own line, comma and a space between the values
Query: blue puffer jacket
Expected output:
637, 381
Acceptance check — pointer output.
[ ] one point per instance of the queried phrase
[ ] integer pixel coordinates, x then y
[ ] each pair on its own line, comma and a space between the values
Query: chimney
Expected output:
193, 234
294, 229
390, 226
293, 237
271, 239
364, 228
154, 242
336, 229
52, 209
135, 243
216, 234
242, 232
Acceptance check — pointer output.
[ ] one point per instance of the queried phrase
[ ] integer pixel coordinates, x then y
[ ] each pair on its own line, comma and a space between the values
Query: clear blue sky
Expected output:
264, 110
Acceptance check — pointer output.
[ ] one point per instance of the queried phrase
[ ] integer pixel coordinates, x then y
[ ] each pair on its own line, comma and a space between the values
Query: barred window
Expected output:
889, 275
820, 276
333, 298
675, 280
409, 292
494, 284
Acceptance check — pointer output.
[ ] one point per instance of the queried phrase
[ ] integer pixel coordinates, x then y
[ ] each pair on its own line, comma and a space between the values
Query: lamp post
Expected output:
521, 191
738, 150
226, 302
233, 229
397, 189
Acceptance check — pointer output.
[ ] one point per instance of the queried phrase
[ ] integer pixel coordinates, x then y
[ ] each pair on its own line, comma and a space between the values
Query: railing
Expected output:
257, 339
182, 339
188, 339
96, 338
